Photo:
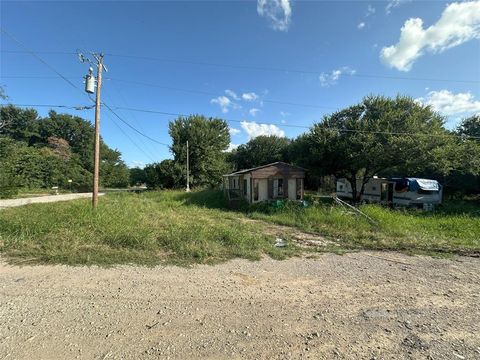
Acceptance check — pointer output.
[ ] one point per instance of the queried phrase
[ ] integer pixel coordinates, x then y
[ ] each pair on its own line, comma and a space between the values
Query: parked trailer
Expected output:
423, 193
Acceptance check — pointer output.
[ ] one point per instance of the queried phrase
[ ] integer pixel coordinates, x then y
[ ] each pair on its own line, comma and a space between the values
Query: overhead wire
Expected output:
256, 68
193, 91
278, 124
76, 87
148, 145
230, 120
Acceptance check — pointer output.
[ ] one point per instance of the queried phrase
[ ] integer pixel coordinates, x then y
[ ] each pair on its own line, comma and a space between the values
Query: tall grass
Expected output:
198, 227
130, 228
447, 230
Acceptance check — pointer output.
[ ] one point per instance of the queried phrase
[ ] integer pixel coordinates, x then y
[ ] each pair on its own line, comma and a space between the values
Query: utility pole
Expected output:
90, 88
96, 156
188, 172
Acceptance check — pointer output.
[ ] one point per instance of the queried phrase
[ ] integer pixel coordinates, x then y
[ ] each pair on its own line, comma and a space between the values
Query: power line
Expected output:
73, 107
37, 57
276, 69
229, 120
131, 127
276, 124
217, 94
76, 87
148, 145
128, 137
257, 68
307, 127
134, 82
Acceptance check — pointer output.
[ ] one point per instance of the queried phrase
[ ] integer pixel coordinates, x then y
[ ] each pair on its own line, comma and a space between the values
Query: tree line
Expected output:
42, 152
378, 136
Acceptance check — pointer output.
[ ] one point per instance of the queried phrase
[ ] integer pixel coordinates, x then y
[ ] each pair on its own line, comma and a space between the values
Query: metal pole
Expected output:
96, 156
188, 171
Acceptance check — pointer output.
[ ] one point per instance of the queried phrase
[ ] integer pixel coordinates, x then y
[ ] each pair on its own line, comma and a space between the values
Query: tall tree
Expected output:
260, 151
19, 124
372, 137
208, 140
165, 175
470, 126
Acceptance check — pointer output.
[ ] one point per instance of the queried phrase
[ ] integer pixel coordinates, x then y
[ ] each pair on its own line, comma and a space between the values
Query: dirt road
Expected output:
43, 199
366, 305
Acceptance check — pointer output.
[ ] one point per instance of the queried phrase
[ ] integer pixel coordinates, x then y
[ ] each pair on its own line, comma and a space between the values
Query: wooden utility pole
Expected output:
188, 172
96, 156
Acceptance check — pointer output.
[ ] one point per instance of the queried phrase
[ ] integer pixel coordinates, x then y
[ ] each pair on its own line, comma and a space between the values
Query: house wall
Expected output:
249, 190
262, 190
292, 189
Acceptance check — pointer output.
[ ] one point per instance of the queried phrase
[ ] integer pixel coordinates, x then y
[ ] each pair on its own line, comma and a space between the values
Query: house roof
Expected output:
240, 172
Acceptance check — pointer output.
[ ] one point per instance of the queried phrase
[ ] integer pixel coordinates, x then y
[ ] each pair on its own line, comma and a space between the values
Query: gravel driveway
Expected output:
43, 199
365, 305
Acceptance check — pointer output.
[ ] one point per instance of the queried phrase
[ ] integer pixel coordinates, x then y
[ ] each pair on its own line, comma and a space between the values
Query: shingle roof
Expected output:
240, 172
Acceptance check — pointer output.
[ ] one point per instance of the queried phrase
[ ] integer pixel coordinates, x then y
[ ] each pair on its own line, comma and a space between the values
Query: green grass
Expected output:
132, 228
176, 227
454, 228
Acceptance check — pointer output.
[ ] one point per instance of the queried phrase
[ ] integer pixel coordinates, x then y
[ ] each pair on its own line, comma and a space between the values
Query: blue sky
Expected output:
311, 53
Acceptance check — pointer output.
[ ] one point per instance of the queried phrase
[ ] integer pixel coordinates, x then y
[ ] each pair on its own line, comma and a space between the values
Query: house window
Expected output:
244, 186
280, 187
255, 190
299, 188
340, 187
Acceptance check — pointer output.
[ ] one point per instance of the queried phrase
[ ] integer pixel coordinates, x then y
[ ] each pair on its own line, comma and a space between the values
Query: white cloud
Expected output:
449, 104
234, 131
232, 94
459, 23
370, 10
225, 103
232, 147
393, 4
253, 111
253, 129
361, 25
327, 79
284, 114
137, 164
278, 12
251, 96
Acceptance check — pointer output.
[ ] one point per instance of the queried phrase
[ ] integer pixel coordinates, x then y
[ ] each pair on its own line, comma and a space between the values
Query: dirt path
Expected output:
366, 305
43, 199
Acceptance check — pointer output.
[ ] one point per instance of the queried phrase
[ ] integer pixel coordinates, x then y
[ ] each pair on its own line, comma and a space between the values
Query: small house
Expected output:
269, 182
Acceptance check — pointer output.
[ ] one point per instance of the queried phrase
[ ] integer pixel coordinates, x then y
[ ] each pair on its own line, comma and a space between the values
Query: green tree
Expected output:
260, 151
372, 138
167, 174
137, 176
470, 126
19, 124
208, 140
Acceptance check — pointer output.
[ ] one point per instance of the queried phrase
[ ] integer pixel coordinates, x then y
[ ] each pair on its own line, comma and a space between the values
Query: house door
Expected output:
277, 188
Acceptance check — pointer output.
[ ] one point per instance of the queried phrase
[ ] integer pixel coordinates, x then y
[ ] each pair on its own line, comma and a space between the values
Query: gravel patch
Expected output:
366, 305
43, 199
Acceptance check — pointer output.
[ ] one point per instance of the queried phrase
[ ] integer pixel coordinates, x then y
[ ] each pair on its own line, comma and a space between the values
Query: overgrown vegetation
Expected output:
149, 228
198, 227
38, 152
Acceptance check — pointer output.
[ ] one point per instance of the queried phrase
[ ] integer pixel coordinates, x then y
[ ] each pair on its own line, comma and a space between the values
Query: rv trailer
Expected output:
413, 192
